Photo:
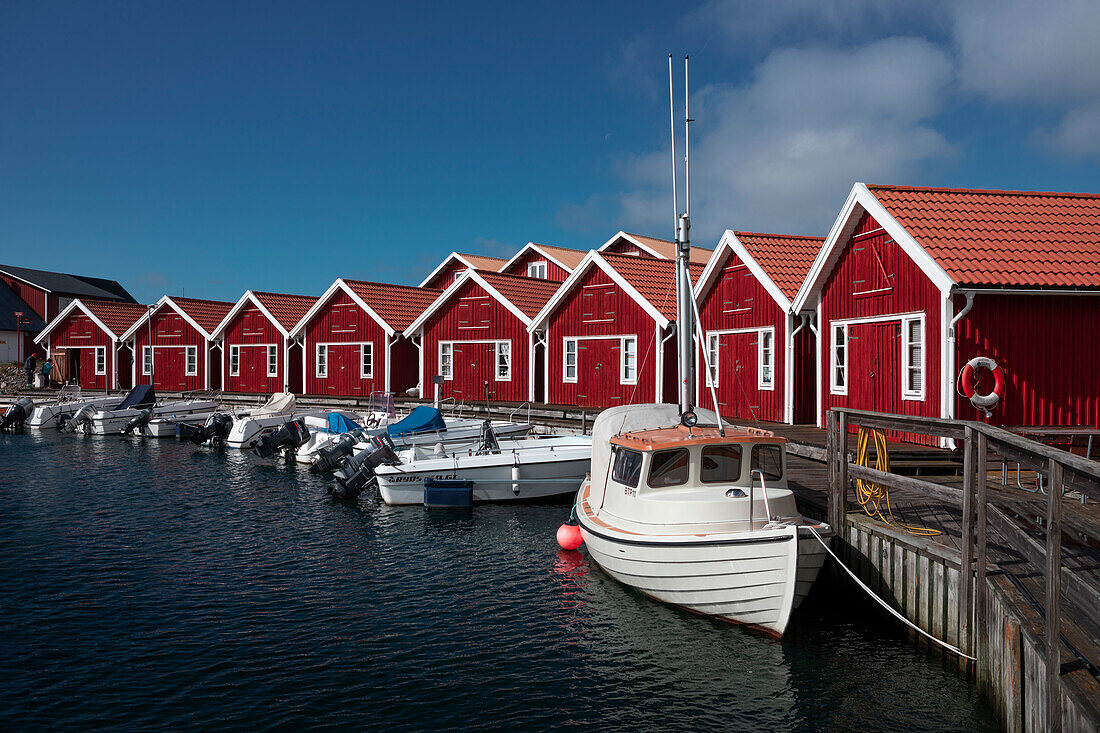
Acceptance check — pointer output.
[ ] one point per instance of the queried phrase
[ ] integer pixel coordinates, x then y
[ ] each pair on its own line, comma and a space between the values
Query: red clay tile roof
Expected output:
287, 309
484, 262
115, 315
1003, 238
655, 280
568, 257
397, 305
527, 294
667, 249
785, 258
206, 313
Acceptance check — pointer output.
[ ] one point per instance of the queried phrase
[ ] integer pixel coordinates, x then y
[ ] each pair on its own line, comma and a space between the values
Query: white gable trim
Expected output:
442, 265
531, 246
736, 247
340, 284
65, 314
861, 200
248, 296
633, 240
470, 274
595, 259
165, 300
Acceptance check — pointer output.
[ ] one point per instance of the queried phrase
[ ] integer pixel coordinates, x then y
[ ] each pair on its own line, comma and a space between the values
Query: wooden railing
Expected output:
1063, 471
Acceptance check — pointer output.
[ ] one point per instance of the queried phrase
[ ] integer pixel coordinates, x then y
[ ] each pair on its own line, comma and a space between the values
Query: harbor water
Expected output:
148, 584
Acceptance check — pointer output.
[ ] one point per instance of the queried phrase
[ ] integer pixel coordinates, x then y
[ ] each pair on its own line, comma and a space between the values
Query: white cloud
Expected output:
1078, 134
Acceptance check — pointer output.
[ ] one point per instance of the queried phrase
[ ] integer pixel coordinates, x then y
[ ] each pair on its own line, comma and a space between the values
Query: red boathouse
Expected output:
179, 357
912, 283
353, 341
457, 263
475, 335
760, 354
258, 354
544, 262
606, 332
85, 341
662, 249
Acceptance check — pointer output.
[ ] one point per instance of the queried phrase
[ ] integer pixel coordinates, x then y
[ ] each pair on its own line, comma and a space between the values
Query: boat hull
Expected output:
54, 415
108, 422
491, 483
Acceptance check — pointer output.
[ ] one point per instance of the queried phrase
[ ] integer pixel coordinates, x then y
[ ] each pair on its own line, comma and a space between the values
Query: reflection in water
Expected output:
156, 585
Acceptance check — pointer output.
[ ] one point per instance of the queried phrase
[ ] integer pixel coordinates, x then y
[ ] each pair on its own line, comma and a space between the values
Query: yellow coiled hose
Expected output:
871, 496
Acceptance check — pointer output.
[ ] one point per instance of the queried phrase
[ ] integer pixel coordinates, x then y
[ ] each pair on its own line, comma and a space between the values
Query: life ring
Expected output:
982, 401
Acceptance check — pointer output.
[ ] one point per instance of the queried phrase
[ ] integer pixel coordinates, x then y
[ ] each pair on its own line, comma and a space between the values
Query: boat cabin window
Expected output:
768, 459
721, 464
627, 468
668, 468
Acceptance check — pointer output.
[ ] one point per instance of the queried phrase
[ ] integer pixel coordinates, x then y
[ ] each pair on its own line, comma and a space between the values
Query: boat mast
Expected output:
685, 325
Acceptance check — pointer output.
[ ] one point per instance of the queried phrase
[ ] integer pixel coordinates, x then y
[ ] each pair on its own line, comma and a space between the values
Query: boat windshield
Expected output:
720, 464
627, 468
768, 459
668, 468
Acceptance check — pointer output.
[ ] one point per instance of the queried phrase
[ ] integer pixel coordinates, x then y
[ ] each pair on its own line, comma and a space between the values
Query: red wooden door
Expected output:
344, 370
253, 368
168, 367
738, 386
474, 364
875, 366
598, 377
88, 377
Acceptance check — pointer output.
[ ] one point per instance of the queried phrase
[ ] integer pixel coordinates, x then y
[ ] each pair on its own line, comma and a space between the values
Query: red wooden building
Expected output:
354, 342
258, 354
606, 332
86, 344
760, 353
475, 335
181, 331
457, 263
914, 282
543, 261
661, 249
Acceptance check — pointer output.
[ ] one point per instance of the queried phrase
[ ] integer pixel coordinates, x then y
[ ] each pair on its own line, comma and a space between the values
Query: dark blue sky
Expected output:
215, 147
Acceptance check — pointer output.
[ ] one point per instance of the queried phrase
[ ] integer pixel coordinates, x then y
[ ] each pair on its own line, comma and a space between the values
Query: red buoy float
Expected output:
966, 381
569, 536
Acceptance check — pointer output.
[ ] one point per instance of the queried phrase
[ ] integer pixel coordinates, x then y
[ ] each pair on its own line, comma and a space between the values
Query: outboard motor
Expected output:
213, 431
289, 436
82, 417
489, 442
17, 414
328, 458
137, 422
356, 472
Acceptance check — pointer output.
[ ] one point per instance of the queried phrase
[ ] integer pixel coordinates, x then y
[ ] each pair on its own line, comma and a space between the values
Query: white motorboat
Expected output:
280, 409
511, 470
69, 401
141, 414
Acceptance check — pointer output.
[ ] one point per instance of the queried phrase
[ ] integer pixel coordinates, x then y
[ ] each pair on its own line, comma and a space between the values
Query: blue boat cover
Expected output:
339, 423
420, 420
140, 396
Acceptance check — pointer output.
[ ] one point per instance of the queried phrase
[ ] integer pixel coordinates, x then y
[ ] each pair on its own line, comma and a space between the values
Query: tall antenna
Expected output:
687, 156
672, 131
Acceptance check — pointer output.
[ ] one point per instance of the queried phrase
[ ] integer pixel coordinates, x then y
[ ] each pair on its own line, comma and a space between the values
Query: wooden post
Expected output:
982, 644
842, 471
966, 606
1054, 597
830, 456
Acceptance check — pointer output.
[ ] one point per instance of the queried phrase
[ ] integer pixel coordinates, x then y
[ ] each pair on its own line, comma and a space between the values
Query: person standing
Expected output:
29, 366
47, 369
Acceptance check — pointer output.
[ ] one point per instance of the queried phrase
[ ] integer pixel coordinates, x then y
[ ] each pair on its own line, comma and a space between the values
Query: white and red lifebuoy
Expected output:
966, 381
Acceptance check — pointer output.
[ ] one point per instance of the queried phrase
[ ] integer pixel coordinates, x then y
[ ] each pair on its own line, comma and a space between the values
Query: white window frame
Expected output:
447, 348
900, 318
624, 364
366, 360
714, 342
234, 361
907, 365
190, 352
565, 351
538, 269
101, 361
146, 360
272, 354
320, 361
842, 328
768, 384
507, 355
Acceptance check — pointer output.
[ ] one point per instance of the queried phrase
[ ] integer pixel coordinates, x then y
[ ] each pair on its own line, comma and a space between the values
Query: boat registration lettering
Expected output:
629, 491
412, 478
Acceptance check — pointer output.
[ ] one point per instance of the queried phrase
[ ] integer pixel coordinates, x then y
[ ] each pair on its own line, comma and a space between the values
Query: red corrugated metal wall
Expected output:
34, 297
171, 334
1045, 346
342, 321
596, 307
738, 301
470, 316
446, 276
252, 331
78, 331
875, 278
554, 271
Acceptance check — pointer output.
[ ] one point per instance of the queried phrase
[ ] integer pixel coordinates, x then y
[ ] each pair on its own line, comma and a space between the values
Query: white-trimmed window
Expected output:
146, 359
191, 361
446, 360
366, 361
569, 361
912, 358
322, 360
504, 361
629, 371
272, 361
838, 379
713, 340
234, 361
766, 368
100, 360
537, 269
